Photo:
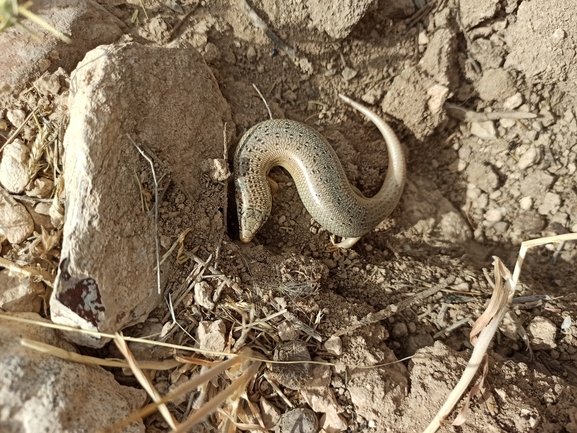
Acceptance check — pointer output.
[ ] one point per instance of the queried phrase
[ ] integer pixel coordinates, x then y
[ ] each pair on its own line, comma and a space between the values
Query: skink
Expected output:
318, 175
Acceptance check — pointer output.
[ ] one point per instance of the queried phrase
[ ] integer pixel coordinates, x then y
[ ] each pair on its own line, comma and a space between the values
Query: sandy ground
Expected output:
475, 190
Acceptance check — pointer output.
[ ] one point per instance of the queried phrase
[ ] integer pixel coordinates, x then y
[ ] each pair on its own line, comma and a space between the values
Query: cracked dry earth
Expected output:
480, 92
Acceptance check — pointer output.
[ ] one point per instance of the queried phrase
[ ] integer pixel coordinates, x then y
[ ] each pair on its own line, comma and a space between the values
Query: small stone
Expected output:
334, 346
14, 167
542, 333
537, 126
400, 330
349, 73
474, 12
495, 194
546, 118
513, 102
500, 227
528, 222
482, 202
287, 331
20, 294
16, 224
437, 96
495, 85
464, 152
529, 158
41, 188
43, 208
493, 215
535, 183
293, 376
211, 336
507, 123
203, 295
416, 342
550, 204
332, 422
48, 84
216, 168
473, 192
484, 130
526, 203
372, 96
483, 177
16, 117
302, 420
423, 39
211, 53
251, 53
559, 34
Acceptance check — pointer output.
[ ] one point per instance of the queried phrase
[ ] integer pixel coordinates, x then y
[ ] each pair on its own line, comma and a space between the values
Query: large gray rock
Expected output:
168, 101
42, 393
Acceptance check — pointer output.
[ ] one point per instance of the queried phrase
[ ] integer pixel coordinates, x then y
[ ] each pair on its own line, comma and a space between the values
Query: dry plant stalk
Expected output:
10, 12
144, 380
488, 323
91, 360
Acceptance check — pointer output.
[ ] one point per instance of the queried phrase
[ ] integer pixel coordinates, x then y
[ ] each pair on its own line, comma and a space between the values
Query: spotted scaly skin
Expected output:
318, 176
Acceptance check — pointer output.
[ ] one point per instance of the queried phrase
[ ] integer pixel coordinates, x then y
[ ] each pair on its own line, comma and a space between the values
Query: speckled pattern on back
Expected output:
318, 176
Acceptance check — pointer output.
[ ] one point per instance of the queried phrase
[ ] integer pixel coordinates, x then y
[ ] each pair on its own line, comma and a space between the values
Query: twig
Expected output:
177, 27
502, 297
219, 399
85, 359
180, 390
171, 308
212, 269
144, 380
156, 239
15, 134
452, 327
420, 14
263, 100
394, 309
257, 21
28, 271
466, 115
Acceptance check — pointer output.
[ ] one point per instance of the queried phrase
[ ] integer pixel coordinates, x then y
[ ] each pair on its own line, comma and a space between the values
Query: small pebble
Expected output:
484, 130
526, 203
513, 102
550, 204
493, 215
251, 53
507, 123
349, 73
400, 330
334, 345
528, 158
16, 117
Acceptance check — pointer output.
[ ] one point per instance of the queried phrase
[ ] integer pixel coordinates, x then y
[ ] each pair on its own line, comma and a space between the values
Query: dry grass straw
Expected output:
11, 13
241, 368
486, 325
